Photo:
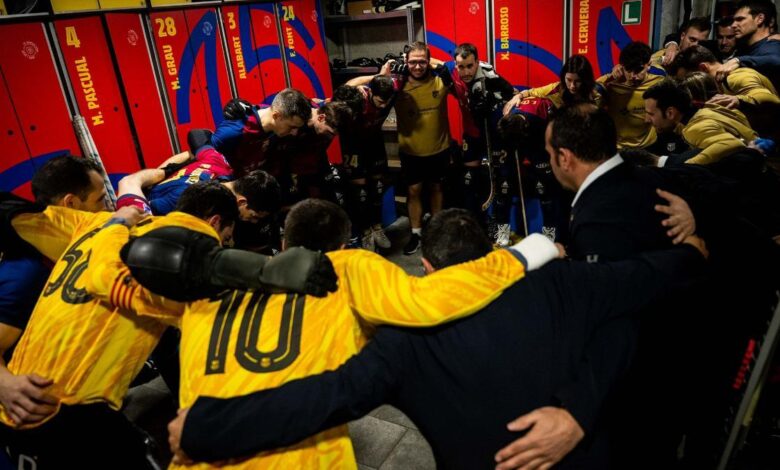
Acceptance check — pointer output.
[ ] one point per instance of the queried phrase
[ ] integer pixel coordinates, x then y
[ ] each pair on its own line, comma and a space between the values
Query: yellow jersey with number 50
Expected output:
85, 332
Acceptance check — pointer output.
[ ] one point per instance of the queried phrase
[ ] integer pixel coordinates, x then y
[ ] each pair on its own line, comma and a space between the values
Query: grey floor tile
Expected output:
411, 453
365, 467
374, 439
394, 415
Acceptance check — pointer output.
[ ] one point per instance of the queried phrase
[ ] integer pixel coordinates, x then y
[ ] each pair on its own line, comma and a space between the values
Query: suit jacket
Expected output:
614, 216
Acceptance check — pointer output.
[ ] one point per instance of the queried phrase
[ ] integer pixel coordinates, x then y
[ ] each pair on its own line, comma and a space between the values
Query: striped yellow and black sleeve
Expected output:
109, 279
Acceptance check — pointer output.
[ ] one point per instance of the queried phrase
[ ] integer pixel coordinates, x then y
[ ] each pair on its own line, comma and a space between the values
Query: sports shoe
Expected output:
380, 238
502, 235
413, 245
368, 241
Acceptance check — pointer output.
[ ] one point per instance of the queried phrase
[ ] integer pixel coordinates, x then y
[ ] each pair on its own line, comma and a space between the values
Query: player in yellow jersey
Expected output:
744, 89
621, 93
717, 132
576, 85
93, 328
693, 32
65, 181
245, 341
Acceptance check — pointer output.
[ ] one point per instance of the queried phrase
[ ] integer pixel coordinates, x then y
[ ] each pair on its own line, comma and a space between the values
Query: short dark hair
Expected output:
454, 236
725, 22
699, 86
514, 129
690, 59
668, 93
382, 87
759, 7
351, 96
635, 56
337, 114
640, 157
585, 130
261, 190
466, 49
580, 65
317, 224
702, 23
418, 46
291, 103
207, 199
63, 175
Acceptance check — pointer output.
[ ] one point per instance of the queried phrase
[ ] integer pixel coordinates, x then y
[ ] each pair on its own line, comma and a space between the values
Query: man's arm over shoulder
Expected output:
217, 429
445, 295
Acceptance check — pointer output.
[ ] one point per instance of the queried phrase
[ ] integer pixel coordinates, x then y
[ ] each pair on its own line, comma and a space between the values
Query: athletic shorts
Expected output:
474, 149
430, 169
365, 155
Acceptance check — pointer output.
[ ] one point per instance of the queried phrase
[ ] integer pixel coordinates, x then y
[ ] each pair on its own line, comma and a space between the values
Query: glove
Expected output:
399, 67
173, 262
185, 265
11, 244
444, 73
237, 109
300, 270
197, 138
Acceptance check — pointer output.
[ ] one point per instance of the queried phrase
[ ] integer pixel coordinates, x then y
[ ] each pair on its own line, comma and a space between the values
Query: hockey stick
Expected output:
91, 153
520, 190
744, 416
491, 176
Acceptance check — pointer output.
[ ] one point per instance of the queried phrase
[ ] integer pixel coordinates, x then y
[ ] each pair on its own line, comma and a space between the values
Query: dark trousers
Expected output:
79, 437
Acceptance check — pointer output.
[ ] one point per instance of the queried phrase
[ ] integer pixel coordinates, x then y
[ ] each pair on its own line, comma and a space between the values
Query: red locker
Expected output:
15, 167
243, 59
267, 48
90, 68
210, 64
303, 39
528, 51
36, 120
185, 92
137, 76
600, 28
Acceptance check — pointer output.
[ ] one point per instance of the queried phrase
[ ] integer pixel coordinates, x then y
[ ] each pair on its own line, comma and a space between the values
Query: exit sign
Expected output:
632, 12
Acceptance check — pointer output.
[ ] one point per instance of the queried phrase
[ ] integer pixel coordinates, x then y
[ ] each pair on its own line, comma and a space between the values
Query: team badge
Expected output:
132, 37
314, 15
267, 22
208, 28
29, 49
435, 93
474, 8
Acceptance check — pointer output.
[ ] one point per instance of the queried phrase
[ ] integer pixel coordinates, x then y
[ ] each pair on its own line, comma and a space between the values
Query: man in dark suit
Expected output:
463, 382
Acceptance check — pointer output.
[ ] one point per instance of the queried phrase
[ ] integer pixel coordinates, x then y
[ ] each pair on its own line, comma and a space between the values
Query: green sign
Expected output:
631, 12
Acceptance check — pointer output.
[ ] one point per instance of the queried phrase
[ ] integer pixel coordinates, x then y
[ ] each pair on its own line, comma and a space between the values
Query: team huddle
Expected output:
259, 264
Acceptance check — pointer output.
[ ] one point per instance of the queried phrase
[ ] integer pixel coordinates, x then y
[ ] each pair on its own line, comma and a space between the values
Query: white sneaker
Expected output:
380, 238
502, 235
